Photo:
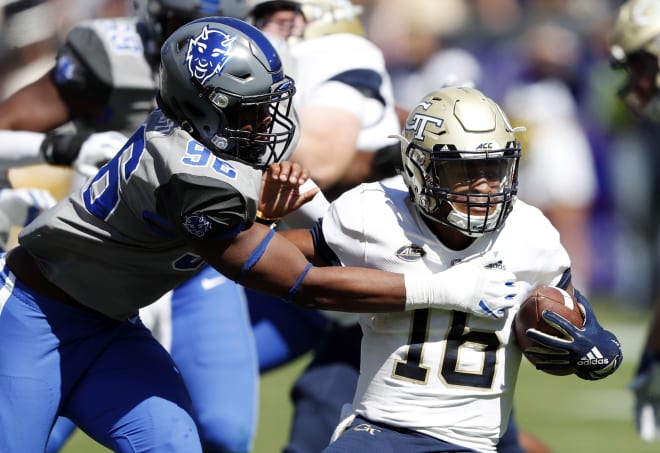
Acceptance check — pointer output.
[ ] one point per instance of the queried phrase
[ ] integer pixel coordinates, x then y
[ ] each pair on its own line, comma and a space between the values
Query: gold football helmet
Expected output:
635, 47
460, 160
322, 17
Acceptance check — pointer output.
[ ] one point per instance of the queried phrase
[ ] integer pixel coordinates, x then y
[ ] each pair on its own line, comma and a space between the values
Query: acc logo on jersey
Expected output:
410, 252
197, 224
208, 53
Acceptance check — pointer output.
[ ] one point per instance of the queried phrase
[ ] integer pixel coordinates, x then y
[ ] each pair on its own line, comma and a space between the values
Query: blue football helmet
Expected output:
222, 80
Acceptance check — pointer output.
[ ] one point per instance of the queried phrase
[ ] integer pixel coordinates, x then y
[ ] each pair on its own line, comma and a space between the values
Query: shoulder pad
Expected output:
112, 50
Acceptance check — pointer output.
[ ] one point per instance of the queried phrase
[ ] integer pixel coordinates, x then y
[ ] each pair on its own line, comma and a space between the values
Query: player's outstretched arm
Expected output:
267, 261
83, 152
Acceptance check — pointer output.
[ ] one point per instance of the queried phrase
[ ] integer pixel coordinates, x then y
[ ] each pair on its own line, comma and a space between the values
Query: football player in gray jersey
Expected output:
184, 190
105, 79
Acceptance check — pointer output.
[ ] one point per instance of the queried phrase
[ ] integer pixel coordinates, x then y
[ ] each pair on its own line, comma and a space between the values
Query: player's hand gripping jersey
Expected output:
444, 373
161, 182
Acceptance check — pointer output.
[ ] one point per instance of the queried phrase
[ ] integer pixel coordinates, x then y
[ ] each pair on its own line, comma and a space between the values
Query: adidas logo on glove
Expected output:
594, 357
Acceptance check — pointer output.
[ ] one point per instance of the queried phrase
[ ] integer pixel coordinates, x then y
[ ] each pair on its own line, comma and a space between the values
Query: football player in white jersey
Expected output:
635, 47
342, 84
346, 108
438, 379
185, 190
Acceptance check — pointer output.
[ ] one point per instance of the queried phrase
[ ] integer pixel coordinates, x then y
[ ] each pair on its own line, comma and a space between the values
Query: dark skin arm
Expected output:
328, 288
37, 107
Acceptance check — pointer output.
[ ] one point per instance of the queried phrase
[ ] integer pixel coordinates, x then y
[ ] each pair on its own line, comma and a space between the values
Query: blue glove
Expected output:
592, 352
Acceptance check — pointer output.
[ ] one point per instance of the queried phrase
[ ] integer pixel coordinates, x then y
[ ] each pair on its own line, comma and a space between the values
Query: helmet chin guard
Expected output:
474, 225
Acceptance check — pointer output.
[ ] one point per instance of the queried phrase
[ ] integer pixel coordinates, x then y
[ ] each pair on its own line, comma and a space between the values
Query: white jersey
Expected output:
347, 71
446, 374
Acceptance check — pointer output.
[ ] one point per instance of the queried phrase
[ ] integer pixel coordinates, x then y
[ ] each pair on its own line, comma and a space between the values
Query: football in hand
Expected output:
529, 316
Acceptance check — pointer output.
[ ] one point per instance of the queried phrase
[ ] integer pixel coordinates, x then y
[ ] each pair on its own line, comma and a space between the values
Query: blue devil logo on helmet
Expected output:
208, 53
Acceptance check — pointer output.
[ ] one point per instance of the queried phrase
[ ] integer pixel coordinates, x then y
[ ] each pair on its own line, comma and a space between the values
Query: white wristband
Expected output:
473, 286
418, 291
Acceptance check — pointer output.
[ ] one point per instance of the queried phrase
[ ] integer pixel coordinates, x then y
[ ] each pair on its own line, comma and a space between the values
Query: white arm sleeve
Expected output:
20, 148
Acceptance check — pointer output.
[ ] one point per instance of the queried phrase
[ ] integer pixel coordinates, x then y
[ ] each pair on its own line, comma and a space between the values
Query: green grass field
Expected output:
570, 415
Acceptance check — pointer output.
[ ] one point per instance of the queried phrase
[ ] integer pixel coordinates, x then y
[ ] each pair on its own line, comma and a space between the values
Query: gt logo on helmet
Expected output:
208, 53
420, 122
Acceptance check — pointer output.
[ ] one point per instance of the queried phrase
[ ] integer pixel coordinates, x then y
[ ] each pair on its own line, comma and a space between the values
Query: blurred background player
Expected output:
105, 79
29, 40
635, 47
557, 171
344, 87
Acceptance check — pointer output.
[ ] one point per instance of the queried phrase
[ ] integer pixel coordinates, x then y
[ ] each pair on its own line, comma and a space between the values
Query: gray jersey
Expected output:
102, 69
122, 240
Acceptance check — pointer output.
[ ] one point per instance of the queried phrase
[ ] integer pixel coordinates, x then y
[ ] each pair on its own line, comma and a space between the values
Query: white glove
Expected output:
23, 205
96, 151
646, 387
477, 286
